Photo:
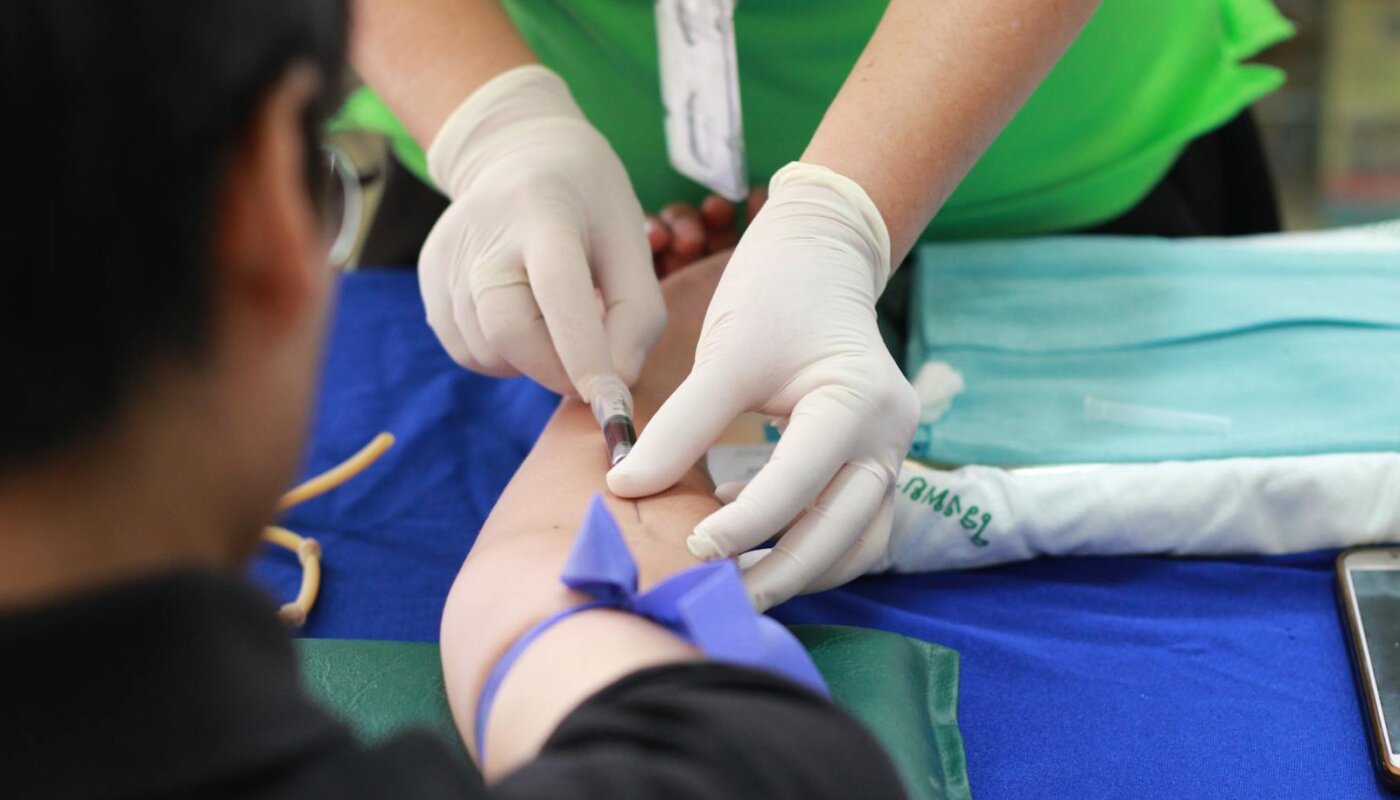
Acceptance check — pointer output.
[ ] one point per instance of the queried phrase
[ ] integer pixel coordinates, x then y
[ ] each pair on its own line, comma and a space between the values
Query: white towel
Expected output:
979, 516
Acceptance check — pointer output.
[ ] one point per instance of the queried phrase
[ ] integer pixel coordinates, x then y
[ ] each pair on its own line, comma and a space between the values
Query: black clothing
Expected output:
407, 211
1219, 186
187, 686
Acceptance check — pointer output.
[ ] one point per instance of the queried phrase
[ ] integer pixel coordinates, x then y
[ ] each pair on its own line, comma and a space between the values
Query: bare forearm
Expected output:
935, 85
510, 580
424, 57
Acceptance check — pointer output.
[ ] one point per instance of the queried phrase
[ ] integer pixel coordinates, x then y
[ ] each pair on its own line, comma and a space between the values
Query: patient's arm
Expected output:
510, 581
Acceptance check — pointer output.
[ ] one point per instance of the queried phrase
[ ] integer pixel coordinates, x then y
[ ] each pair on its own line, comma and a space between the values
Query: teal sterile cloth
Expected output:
903, 689
1205, 348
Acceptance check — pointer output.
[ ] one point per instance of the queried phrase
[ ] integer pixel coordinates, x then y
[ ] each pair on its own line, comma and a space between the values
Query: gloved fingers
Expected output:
728, 492
819, 539
453, 316
679, 434
817, 442
433, 264
513, 325
747, 560
635, 309
865, 555
563, 288
633, 326
489, 361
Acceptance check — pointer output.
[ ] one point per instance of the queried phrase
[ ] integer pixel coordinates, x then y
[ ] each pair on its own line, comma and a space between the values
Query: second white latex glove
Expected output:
542, 212
791, 332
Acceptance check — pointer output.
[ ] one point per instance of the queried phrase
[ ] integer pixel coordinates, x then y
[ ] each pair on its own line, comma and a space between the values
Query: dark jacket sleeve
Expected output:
705, 730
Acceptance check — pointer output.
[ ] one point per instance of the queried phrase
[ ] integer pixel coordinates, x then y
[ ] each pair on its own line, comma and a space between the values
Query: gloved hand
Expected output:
542, 211
791, 333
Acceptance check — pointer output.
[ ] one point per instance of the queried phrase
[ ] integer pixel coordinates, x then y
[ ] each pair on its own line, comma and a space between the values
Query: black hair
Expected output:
119, 120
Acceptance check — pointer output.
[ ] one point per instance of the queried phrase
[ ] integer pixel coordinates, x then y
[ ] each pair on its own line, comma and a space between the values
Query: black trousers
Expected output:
1219, 186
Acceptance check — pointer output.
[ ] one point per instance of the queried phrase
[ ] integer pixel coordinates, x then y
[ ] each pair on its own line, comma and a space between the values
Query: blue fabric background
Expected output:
1081, 678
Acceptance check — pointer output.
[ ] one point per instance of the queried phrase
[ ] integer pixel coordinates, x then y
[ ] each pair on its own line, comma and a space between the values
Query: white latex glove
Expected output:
542, 212
791, 333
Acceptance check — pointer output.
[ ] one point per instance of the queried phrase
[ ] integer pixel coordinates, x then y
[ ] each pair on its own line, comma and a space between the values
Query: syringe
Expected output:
612, 407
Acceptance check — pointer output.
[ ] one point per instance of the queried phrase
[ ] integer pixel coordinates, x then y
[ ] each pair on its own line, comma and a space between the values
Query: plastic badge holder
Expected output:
700, 89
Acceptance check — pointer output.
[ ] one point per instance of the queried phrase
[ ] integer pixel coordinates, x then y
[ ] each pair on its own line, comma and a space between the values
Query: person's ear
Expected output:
268, 240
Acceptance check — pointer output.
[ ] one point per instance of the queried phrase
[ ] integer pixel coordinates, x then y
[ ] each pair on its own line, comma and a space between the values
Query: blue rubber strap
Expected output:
705, 605
498, 673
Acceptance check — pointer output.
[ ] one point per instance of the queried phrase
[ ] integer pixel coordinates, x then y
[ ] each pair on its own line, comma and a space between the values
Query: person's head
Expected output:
163, 284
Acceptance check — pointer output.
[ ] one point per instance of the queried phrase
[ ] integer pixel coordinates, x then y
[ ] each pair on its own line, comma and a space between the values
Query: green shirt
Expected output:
1143, 79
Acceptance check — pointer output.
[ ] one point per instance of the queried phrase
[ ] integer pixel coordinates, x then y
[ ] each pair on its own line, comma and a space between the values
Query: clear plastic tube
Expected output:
1154, 417
612, 407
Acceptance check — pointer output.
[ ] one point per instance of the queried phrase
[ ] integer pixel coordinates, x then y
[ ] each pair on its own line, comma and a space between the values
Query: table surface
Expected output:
1121, 677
